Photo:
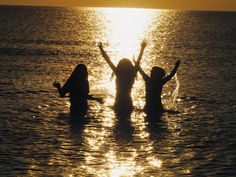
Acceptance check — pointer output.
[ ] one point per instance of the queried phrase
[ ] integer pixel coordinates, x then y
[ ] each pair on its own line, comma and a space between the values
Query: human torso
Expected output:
78, 96
123, 99
153, 95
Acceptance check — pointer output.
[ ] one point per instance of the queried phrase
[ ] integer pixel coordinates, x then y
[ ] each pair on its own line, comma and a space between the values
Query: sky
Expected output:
221, 5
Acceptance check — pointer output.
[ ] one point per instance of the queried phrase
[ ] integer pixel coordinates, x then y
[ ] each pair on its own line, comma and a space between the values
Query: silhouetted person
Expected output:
125, 73
154, 86
78, 88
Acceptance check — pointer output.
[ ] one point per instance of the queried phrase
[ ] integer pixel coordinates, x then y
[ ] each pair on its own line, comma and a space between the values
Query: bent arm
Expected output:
62, 92
169, 77
65, 89
106, 57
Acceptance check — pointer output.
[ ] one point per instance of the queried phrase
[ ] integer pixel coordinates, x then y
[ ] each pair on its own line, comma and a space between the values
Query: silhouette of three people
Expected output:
78, 86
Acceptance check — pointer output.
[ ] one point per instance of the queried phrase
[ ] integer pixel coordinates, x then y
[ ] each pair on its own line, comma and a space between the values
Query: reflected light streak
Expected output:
155, 162
122, 167
176, 91
124, 30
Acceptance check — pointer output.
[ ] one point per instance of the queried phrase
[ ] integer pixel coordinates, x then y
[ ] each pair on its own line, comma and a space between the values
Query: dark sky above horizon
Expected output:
223, 5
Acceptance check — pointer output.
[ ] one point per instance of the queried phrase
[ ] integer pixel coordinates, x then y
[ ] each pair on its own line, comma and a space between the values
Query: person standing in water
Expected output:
78, 88
154, 85
125, 73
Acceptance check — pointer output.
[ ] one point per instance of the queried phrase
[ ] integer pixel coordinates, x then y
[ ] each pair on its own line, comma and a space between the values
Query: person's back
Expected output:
125, 73
153, 96
125, 76
78, 96
78, 88
154, 86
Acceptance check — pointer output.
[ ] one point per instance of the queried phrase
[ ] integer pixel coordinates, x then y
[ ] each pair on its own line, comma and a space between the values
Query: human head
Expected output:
157, 72
125, 66
80, 72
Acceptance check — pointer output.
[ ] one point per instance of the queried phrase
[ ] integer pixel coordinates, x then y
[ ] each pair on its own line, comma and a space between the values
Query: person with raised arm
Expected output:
125, 73
154, 85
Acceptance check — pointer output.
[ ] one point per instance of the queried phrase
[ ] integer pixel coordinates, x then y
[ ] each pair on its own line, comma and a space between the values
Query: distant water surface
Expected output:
39, 45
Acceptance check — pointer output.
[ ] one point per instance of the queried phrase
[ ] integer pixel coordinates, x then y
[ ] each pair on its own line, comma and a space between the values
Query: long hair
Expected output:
125, 69
80, 72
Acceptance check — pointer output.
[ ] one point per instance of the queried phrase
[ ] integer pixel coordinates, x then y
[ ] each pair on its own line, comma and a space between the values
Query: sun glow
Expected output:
124, 28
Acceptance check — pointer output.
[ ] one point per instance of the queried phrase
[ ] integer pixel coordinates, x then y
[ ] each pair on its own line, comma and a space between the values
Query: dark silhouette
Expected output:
123, 130
154, 86
78, 87
125, 73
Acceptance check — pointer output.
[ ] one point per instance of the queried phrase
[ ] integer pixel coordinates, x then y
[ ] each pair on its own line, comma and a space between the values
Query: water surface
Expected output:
40, 45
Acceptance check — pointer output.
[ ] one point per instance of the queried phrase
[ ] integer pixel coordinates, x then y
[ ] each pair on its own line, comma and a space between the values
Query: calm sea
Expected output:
39, 45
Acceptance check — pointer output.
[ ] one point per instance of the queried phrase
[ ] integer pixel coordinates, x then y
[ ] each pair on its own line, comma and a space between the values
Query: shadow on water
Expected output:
123, 130
156, 126
76, 122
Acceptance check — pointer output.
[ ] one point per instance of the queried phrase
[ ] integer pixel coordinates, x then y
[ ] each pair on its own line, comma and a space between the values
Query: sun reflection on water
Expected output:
124, 30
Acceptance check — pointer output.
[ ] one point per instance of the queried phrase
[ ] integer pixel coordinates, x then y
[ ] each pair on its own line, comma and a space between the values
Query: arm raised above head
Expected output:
137, 63
106, 57
167, 78
143, 45
143, 74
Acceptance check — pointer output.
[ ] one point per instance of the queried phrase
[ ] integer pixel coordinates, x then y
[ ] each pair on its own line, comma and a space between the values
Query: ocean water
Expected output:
39, 45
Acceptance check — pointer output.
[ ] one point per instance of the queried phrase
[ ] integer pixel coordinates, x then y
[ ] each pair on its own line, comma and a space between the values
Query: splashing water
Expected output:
176, 91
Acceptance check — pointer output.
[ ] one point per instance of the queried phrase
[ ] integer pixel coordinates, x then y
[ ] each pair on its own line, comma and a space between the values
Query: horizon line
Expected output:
117, 7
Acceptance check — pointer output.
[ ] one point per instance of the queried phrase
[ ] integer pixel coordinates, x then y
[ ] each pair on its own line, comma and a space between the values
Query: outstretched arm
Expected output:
137, 63
167, 78
100, 100
61, 91
106, 57
143, 74
143, 45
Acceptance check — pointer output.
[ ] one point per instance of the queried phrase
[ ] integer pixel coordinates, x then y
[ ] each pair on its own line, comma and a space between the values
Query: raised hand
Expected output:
143, 44
100, 45
106, 57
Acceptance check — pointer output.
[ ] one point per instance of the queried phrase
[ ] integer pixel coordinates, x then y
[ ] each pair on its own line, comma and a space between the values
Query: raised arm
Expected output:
167, 78
143, 45
137, 63
106, 57
143, 74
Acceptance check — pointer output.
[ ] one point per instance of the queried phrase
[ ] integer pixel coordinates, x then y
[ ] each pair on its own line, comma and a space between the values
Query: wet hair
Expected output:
80, 72
157, 72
